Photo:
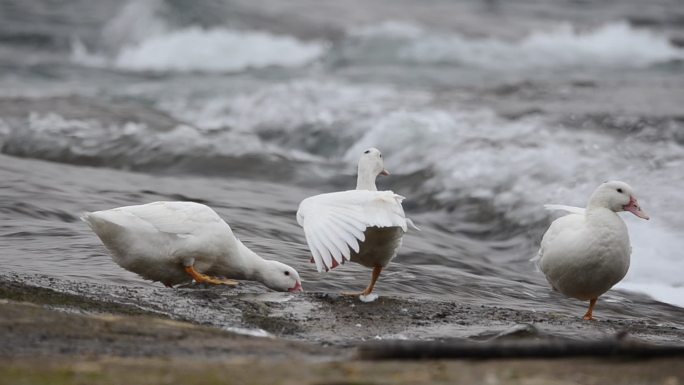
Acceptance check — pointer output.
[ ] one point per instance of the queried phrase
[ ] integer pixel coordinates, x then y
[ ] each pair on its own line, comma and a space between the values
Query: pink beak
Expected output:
634, 208
296, 288
385, 173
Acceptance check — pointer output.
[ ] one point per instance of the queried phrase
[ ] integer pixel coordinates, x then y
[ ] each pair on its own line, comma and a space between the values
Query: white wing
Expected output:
561, 225
570, 209
173, 218
334, 223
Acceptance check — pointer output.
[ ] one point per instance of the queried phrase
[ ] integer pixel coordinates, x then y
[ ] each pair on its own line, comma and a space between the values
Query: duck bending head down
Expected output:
365, 226
587, 252
177, 242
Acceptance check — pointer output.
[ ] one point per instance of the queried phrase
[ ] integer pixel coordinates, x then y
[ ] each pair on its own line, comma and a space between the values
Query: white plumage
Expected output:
160, 241
570, 209
585, 253
335, 224
365, 226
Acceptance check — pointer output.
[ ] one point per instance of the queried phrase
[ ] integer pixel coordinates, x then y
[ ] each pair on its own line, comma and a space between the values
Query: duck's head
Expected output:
371, 163
617, 196
281, 277
370, 166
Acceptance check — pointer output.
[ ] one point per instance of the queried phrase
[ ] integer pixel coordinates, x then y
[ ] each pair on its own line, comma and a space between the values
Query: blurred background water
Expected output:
484, 110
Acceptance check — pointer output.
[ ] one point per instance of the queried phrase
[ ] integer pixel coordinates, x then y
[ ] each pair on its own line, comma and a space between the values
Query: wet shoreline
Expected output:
76, 338
328, 318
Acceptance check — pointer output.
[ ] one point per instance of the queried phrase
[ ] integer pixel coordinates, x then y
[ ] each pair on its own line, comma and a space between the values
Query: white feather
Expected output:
583, 254
552, 232
570, 209
334, 223
157, 239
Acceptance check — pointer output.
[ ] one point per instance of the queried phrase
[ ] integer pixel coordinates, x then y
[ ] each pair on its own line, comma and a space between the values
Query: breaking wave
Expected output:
132, 145
139, 39
614, 44
196, 49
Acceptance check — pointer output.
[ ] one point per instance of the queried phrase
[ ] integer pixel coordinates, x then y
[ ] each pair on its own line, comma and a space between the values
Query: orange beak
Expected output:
385, 173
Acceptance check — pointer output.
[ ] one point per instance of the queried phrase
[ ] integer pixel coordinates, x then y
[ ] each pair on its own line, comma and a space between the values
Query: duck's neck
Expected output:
601, 216
365, 180
251, 264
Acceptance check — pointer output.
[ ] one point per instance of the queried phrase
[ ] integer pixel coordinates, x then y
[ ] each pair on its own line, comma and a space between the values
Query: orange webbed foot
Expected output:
203, 278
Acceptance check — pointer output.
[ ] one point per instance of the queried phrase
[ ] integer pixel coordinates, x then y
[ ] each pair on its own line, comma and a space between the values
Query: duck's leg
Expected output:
203, 278
589, 316
374, 278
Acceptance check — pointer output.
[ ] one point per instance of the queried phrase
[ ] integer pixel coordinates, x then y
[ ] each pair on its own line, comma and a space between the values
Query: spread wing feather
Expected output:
334, 223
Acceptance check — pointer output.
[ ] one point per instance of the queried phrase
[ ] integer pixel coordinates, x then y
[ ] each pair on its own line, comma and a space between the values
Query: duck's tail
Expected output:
537, 260
86, 217
410, 222
98, 222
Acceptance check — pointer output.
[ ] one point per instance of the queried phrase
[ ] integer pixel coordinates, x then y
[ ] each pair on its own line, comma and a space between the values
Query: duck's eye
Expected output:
619, 190
381, 155
367, 152
287, 273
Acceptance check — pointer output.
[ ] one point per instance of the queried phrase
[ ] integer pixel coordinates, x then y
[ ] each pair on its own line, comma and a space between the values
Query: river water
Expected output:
484, 111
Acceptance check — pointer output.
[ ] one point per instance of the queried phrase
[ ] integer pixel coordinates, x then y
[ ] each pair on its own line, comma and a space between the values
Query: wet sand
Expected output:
56, 337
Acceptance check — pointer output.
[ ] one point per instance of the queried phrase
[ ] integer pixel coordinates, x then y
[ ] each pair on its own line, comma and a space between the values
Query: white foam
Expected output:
657, 265
295, 108
519, 164
614, 44
218, 49
206, 50
139, 38
663, 292
388, 29
52, 136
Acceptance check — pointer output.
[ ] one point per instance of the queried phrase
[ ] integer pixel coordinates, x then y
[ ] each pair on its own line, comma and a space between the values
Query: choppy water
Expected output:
484, 111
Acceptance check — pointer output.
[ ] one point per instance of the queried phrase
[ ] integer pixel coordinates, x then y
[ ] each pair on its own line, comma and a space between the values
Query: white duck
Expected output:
585, 253
176, 242
364, 225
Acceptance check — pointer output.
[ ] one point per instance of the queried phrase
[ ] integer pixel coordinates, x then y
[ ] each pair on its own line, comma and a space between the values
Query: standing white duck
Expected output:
176, 242
364, 225
585, 253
